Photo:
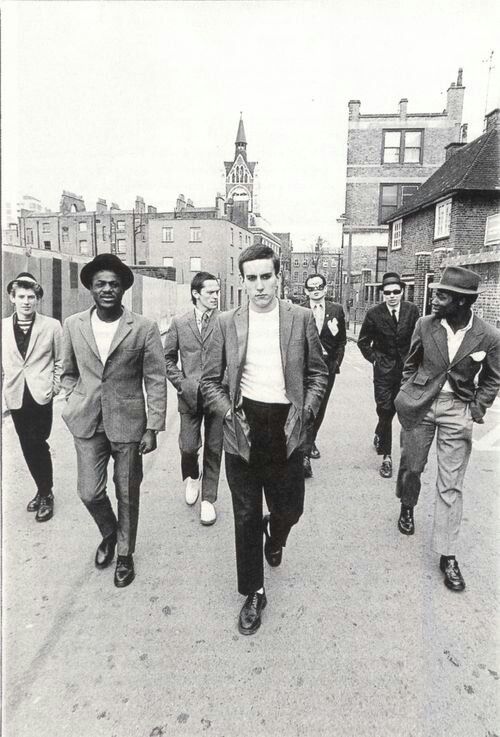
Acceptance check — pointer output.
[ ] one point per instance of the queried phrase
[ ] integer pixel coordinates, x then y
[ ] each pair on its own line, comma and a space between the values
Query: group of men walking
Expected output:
254, 381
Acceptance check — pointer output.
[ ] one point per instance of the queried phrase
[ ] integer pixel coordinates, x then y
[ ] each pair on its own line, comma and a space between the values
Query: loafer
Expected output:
250, 616
386, 468
208, 515
124, 572
453, 578
406, 524
315, 454
307, 468
46, 508
273, 554
105, 552
192, 491
34, 504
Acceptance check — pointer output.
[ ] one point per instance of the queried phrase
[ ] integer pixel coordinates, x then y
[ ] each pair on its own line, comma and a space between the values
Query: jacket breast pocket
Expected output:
416, 386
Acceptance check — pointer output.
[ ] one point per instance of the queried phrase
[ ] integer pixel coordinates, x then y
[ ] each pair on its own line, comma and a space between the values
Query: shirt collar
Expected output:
446, 325
321, 303
396, 309
199, 314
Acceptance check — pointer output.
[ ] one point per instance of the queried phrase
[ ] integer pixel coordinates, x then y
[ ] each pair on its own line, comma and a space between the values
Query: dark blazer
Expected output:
381, 342
428, 367
332, 334
305, 374
115, 389
183, 339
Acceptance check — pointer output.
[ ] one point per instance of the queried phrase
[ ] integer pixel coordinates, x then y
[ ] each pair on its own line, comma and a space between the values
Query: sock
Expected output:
260, 591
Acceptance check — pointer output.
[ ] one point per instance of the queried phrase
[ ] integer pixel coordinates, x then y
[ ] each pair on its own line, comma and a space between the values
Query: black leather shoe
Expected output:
105, 552
376, 442
273, 555
249, 620
453, 579
406, 525
46, 508
386, 468
34, 504
315, 454
308, 472
124, 573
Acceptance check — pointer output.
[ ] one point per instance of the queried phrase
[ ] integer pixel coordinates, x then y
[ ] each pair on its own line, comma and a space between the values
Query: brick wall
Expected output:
417, 235
468, 219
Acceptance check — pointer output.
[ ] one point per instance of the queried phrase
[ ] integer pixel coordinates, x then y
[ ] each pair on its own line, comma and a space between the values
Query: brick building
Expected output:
388, 157
304, 263
454, 218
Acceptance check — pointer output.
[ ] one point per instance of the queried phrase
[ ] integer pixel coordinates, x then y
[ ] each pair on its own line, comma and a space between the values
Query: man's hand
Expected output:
148, 442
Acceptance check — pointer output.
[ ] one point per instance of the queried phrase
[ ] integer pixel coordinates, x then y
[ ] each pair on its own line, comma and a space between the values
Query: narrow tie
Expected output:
204, 323
394, 318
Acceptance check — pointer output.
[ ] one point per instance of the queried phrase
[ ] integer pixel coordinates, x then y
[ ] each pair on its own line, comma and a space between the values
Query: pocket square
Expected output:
333, 326
478, 355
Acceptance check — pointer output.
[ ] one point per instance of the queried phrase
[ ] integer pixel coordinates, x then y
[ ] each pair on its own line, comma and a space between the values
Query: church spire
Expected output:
241, 140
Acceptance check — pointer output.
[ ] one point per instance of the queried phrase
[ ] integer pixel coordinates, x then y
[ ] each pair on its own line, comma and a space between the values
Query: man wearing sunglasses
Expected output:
384, 340
330, 321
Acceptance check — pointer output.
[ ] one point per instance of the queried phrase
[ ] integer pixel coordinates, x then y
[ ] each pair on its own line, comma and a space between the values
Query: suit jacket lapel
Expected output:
124, 328
286, 321
88, 333
211, 323
11, 336
241, 325
194, 326
471, 339
439, 335
387, 316
36, 329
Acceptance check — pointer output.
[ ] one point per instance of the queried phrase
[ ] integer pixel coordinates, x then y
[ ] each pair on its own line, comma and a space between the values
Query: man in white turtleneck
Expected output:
276, 378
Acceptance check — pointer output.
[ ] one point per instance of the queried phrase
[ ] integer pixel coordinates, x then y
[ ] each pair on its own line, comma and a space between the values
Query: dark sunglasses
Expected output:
392, 291
315, 289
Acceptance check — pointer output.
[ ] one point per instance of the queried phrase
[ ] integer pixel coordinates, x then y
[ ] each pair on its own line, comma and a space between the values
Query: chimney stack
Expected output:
403, 108
463, 132
354, 108
492, 120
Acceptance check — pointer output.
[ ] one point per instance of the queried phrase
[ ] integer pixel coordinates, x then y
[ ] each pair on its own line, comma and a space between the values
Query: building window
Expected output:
442, 219
305, 262
231, 263
393, 196
73, 275
296, 262
82, 227
45, 227
231, 297
65, 234
195, 263
83, 247
104, 232
381, 263
304, 275
397, 230
195, 235
168, 261
167, 235
296, 276
402, 147
492, 232
46, 245
120, 224
241, 240
325, 263
121, 245
29, 236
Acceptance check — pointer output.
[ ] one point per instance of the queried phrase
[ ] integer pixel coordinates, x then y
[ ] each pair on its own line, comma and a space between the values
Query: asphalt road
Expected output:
360, 637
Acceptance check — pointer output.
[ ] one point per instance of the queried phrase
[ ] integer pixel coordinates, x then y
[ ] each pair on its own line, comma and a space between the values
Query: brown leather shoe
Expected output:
46, 508
406, 525
273, 554
453, 578
250, 616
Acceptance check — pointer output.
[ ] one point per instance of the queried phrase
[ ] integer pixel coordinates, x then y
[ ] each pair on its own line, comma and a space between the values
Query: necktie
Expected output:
318, 317
394, 318
204, 323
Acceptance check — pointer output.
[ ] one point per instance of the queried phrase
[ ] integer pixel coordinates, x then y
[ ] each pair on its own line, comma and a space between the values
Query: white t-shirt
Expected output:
104, 332
262, 379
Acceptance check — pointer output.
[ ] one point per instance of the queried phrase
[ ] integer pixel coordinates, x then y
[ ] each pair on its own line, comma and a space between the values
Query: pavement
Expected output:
360, 637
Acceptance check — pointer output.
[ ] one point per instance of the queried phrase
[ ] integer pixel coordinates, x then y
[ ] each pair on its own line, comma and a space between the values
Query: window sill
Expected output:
440, 237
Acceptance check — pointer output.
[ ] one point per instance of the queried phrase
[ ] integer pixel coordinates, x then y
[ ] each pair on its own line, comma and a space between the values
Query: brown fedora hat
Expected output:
106, 262
458, 279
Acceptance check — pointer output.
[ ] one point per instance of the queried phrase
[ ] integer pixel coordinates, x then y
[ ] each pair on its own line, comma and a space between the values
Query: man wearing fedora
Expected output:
451, 377
384, 340
109, 355
31, 366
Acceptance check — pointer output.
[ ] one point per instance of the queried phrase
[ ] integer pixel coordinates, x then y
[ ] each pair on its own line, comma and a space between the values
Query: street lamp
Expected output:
347, 293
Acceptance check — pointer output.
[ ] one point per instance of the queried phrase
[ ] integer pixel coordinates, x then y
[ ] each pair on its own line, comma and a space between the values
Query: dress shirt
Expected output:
394, 309
318, 309
199, 317
454, 342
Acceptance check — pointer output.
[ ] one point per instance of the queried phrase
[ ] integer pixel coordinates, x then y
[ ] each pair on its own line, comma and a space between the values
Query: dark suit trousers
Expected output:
33, 423
324, 403
93, 456
190, 442
269, 471
386, 391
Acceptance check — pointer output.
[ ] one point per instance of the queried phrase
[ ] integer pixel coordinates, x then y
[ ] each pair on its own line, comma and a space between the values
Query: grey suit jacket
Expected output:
183, 340
115, 389
305, 372
428, 367
40, 369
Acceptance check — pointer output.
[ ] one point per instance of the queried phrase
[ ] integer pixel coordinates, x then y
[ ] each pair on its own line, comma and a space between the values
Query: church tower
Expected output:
240, 173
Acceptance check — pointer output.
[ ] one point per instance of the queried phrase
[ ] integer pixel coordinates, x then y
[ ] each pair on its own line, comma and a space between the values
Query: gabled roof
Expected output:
475, 167
228, 165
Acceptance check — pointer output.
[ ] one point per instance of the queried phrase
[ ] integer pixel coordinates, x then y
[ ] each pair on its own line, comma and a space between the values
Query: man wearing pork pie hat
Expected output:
31, 366
108, 354
384, 340
450, 378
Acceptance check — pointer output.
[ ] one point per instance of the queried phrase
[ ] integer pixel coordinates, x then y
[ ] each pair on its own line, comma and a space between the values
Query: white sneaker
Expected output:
192, 491
208, 515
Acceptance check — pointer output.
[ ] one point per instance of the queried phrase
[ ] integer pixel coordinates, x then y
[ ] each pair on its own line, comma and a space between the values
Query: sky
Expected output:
116, 99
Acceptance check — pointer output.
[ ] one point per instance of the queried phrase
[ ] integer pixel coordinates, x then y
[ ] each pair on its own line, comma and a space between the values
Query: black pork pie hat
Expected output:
106, 262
